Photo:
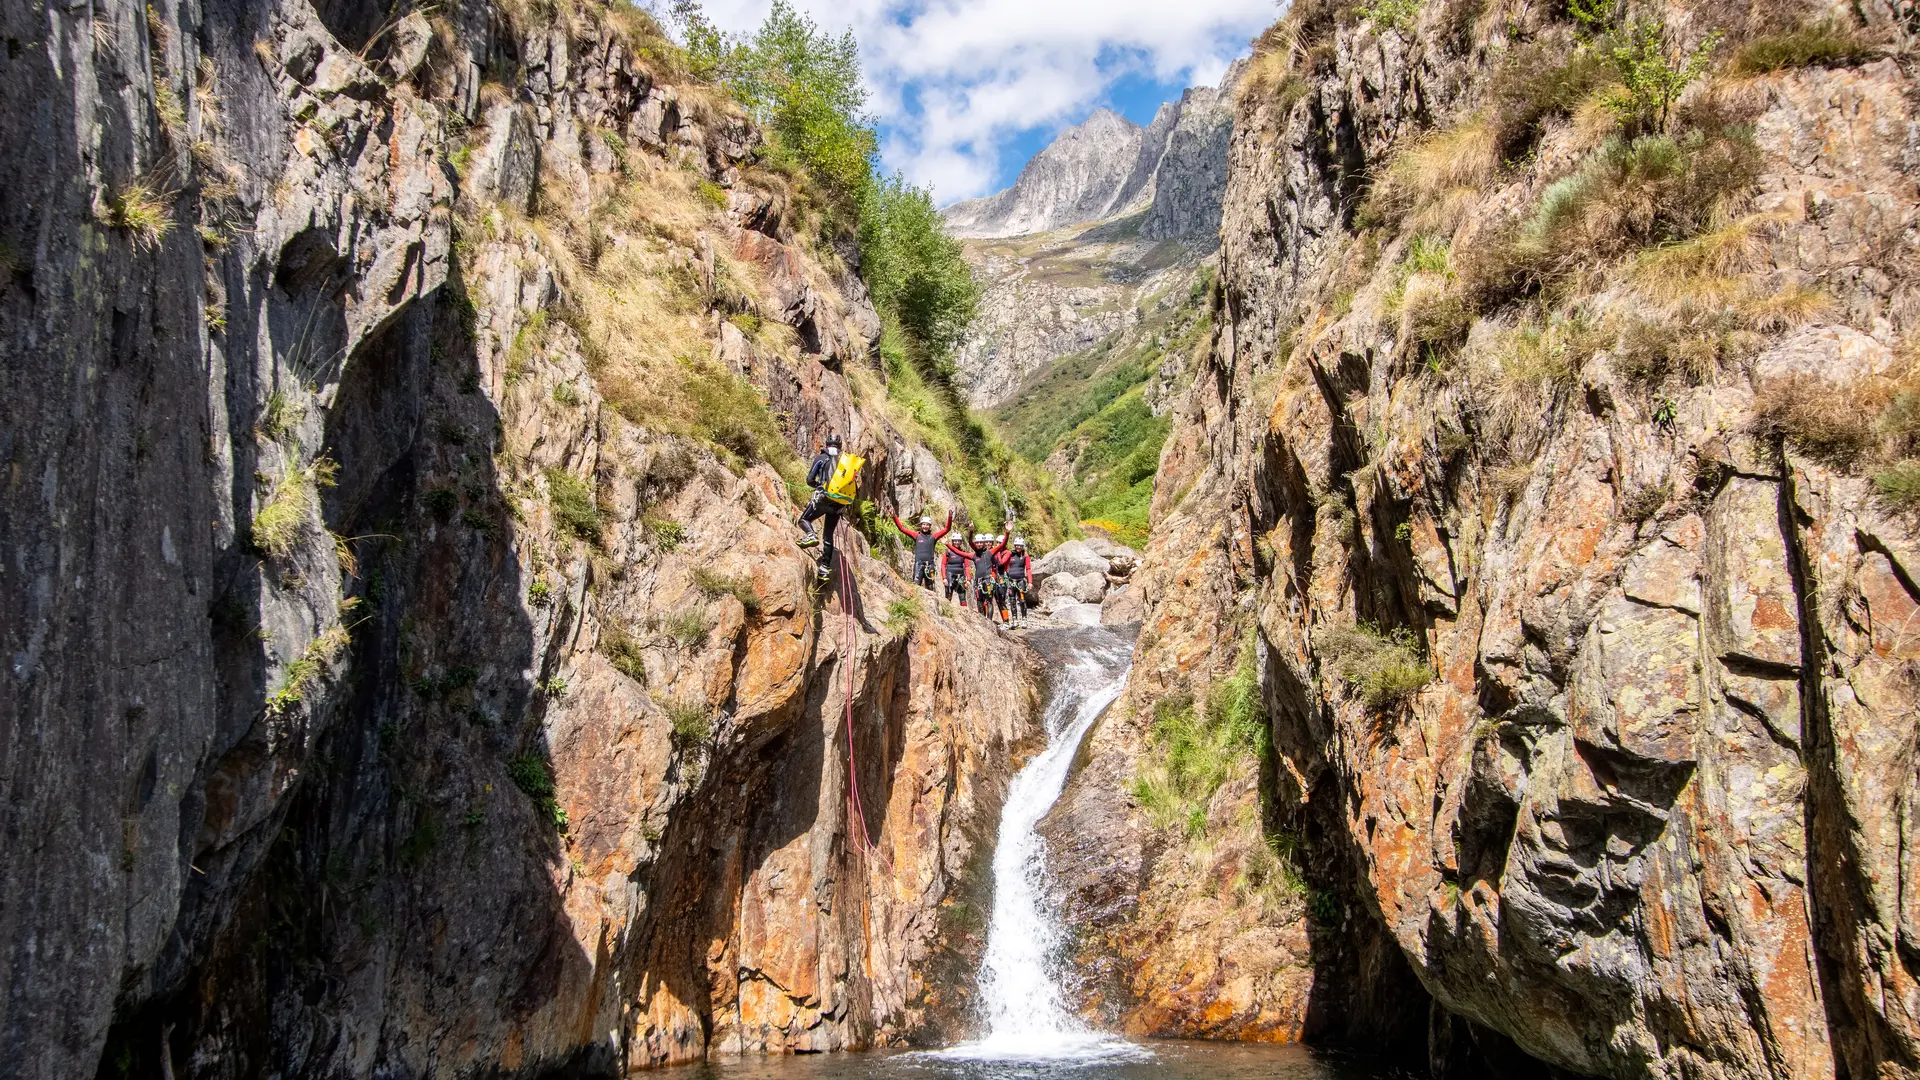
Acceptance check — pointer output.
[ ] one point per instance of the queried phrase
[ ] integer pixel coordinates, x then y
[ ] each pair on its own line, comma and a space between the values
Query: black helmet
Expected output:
833, 442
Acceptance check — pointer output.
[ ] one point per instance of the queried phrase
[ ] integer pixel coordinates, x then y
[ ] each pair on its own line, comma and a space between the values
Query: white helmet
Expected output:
1019, 541
1001, 539
981, 538
926, 522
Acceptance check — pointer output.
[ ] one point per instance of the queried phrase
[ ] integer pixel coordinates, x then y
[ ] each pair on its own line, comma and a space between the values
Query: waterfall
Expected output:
1024, 1009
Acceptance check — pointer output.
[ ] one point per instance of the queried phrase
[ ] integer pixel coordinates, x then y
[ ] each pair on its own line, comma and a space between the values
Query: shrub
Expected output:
1385, 669
1822, 44
1652, 71
539, 593
915, 270
573, 505
713, 193
1827, 421
1392, 14
714, 584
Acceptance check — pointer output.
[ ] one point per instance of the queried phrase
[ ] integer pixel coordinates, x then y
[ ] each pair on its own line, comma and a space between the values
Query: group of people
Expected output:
993, 575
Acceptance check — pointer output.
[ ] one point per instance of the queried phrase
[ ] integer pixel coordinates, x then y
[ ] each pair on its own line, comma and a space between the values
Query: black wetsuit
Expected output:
925, 543
1018, 575
956, 561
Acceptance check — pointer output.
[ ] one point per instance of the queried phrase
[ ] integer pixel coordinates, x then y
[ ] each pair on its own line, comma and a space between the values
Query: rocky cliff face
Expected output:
1075, 179
411, 670
1173, 169
1049, 296
1581, 655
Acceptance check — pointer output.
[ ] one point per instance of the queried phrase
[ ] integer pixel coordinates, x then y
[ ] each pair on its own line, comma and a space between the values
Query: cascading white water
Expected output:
1025, 1015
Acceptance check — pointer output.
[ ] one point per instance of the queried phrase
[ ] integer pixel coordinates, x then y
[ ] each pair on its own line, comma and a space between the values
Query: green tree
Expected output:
804, 86
914, 269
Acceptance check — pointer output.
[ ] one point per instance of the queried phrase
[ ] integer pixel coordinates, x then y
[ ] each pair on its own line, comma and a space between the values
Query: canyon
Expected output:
411, 670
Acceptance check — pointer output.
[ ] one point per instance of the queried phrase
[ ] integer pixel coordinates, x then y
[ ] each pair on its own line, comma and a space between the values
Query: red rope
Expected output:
856, 812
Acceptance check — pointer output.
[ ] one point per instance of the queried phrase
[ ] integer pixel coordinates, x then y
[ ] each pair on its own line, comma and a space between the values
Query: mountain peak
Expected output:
1107, 164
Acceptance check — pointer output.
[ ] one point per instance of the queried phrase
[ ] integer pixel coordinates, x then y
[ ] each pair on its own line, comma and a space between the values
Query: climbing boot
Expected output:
809, 541
823, 573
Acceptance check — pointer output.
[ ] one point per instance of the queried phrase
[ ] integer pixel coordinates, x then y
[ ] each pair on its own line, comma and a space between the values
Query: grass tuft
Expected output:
692, 722
1822, 44
714, 585
903, 615
142, 211
1384, 668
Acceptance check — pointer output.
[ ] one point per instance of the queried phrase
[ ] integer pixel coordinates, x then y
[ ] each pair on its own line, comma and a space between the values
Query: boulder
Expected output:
1073, 557
1123, 605
1078, 614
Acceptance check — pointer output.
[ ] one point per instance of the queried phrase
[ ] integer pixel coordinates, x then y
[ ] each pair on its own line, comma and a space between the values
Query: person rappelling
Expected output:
925, 542
833, 477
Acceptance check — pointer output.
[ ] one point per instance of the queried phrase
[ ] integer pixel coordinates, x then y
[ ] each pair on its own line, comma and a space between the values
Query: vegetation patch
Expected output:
1200, 747
142, 211
904, 614
573, 505
531, 773
713, 585
688, 629
691, 722
1384, 668
1820, 44
288, 515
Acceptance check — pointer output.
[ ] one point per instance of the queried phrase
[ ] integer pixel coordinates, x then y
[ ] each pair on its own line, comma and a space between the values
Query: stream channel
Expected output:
1029, 1030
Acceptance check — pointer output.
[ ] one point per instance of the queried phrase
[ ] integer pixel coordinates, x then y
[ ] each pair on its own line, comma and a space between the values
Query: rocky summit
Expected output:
1470, 464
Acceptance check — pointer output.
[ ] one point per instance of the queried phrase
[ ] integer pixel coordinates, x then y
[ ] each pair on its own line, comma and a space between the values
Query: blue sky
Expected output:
965, 91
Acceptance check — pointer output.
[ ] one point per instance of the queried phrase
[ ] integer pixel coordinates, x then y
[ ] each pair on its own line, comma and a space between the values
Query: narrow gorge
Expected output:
1489, 433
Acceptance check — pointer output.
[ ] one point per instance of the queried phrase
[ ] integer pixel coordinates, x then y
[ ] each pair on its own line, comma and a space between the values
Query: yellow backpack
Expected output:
846, 470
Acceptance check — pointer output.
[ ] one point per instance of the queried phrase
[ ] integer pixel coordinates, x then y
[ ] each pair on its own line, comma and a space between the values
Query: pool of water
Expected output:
1113, 1060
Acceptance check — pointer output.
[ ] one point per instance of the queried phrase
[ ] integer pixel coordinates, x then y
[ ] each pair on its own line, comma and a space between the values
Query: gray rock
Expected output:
507, 164
1123, 605
1072, 557
1076, 178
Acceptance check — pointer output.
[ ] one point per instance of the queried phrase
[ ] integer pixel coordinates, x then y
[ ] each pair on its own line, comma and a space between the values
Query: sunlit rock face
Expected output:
1643, 820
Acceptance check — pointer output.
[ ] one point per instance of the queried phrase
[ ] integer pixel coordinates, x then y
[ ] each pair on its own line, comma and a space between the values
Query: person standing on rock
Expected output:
1017, 572
820, 507
956, 561
983, 573
925, 543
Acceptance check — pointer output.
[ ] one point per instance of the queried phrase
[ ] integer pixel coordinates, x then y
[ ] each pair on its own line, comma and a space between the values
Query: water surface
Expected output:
1155, 1060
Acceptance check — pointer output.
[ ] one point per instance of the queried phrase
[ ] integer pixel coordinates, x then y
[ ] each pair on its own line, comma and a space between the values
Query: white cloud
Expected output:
953, 80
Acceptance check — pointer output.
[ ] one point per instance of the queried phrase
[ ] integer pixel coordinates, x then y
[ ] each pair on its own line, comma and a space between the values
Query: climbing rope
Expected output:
856, 811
